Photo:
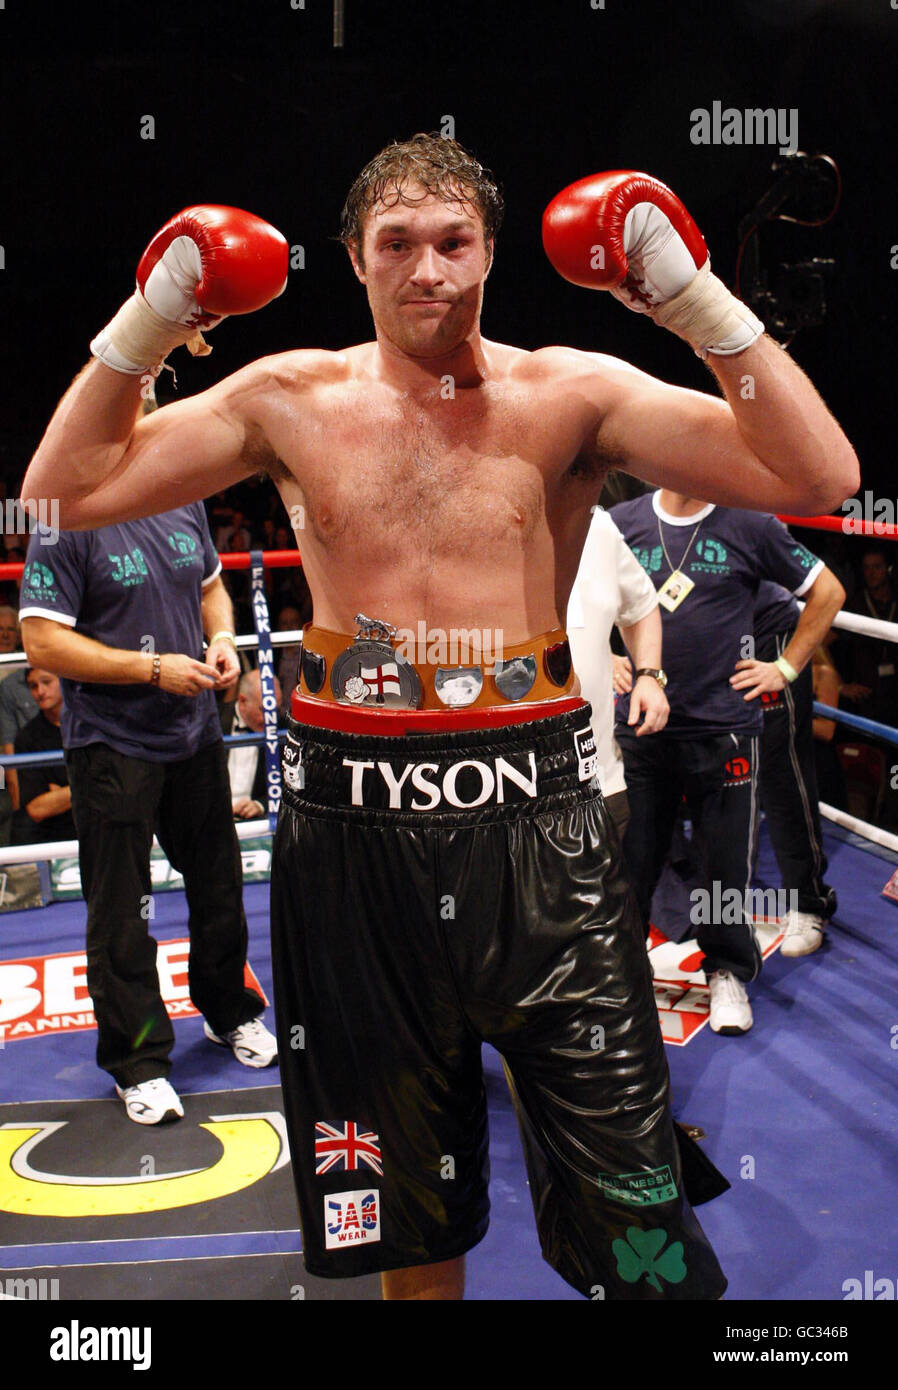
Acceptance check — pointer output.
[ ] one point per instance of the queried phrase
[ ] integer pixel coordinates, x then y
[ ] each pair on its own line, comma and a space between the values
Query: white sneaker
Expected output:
251, 1043
151, 1102
730, 1009
803, 935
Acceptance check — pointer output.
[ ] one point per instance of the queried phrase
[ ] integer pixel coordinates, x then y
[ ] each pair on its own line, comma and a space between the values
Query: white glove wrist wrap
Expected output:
138, 338
709, 317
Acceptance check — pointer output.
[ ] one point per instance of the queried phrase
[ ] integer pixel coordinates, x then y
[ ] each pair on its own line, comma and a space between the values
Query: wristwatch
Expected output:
656, 675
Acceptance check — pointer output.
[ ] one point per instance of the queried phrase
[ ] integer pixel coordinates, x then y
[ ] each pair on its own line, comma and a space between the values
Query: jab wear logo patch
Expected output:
651, 560
351, 1217
128, 569
338, 1149
642, 1253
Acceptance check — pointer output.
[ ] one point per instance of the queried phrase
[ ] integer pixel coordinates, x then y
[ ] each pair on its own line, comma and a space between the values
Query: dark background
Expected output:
254, 106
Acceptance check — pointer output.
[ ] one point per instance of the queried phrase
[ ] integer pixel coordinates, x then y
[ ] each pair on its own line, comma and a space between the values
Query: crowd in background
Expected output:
252, 516
855, 673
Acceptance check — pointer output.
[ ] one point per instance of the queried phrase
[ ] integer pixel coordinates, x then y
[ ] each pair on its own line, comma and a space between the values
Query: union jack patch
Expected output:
338, 1149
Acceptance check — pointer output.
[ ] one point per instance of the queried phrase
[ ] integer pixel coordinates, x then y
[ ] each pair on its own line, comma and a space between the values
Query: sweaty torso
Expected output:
464, 507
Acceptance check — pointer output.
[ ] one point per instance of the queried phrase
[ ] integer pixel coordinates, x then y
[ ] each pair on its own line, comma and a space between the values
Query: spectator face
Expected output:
875, 571
288, 620
250, 703
9, 630
240, 540
283, 539
45, 688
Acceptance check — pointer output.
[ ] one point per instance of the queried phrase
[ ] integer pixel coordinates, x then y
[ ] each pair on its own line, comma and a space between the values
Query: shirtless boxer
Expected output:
449, 478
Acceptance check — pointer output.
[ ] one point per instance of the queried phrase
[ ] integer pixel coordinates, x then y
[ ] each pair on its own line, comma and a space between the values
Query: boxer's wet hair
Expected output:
444, 168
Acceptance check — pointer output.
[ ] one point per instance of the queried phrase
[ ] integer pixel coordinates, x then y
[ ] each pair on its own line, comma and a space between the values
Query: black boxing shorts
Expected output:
431, 892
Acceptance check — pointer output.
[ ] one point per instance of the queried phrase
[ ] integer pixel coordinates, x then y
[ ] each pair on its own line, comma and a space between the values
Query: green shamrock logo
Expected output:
637, 1256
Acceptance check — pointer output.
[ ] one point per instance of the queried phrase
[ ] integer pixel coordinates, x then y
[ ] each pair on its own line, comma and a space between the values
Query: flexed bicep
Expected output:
138, 465
98, 460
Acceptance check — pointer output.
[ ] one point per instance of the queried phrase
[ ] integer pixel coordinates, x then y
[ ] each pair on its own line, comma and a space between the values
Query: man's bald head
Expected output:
249, 700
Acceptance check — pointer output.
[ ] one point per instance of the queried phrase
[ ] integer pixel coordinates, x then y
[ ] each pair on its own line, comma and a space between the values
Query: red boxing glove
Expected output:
628, 233
240, 261
205, 263
585, 233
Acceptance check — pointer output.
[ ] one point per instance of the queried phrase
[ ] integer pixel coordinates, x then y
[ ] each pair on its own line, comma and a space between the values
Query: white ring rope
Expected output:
68, 849
860, 827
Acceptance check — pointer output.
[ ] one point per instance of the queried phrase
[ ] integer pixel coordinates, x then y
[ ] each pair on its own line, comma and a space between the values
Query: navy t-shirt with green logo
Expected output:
137, 585
727, 555
775, 611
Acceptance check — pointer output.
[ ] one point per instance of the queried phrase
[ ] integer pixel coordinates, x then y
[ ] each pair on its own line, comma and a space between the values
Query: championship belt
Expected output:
373, 672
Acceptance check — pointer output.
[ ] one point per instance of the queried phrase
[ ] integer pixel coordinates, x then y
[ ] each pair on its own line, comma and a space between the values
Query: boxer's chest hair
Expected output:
440, 475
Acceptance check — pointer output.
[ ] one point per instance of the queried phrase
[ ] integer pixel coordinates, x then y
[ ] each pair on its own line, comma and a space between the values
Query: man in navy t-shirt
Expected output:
788, 773
120, 613
706, 563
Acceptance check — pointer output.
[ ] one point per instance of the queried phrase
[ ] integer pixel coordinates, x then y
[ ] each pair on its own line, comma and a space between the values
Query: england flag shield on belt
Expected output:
373, 673
383, 680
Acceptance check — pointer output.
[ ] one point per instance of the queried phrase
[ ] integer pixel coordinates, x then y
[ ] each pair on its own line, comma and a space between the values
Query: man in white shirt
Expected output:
612, 587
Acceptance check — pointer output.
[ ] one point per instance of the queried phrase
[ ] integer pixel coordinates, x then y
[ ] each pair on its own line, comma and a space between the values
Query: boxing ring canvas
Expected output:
114, 124
801, 1116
